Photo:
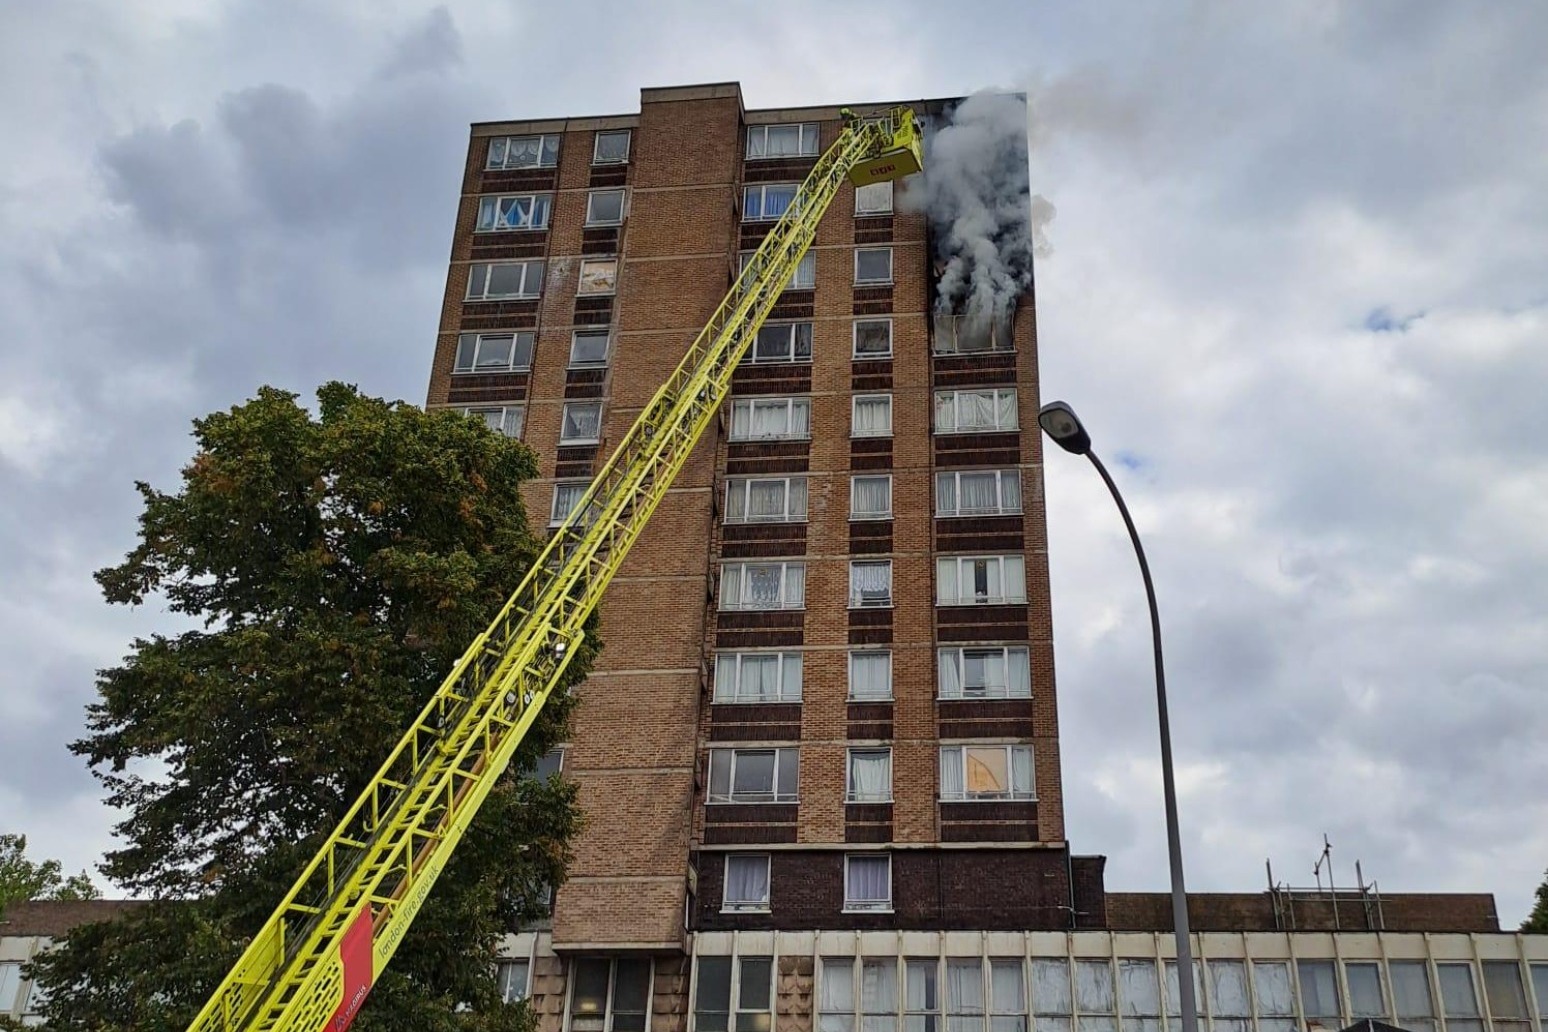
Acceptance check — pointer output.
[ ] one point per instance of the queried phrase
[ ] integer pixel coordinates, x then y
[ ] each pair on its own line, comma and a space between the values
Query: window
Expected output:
870, 497
1459, 998
976, 410
513, 211
32, 1002
1276, 997
980, 580
588, 348
1230, 1003
1174, 996
873, 338
609, 995
767, 201
604, 207
878, 995
10, 982
770, 419
921, 996
782, 141
758, 677
747, 882
611, 147
972, 772
870, 676
523, 152
873, 265
804, 277
549, 764
981, 492
598, 276
748, 998
870, 583
494, 281
567, 495
765, 499
505, 419
1139, 996
1539, 987
956, 335
511, 978
782, 342
870, 776
1507, 996
874, 199
493, 352
1366, 998
1319, 992
1007, 995
1095, 998
836, 1004
754, 775
868, 883
871, 416
773, 585
581, 423
984, 672
1410, 995
1051, 997
964, 995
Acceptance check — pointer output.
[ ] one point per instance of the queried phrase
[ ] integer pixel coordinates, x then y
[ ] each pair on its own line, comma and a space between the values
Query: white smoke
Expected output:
977, 197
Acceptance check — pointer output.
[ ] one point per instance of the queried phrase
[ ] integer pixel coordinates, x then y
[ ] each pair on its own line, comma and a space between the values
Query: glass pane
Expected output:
1540, 987
605, 206
1411, 989
1319, 988
521, 353
1139, 988
1007, 993
467, 347
838, 986
1272, 982
987, 773
1050, 985
1366, 999
1052, 1024
1096, 1023
1284, 1025
1009, 1023
1502, 983
878, 988
1173, 990
505, 280
789, 760
754, 774
1228, 988
495, 352
714, 993
964, 987
1456, 984
1146, 1024
753, 983
590, 992
921, 988
1093, 978
631, 994
588, 349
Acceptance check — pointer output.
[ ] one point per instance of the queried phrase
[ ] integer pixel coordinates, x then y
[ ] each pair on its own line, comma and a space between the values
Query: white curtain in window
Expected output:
946, 580
978, 408
870, 775
1014, 579
1018, 674
870, 675
950, 671
1006, 409
763, 584
798, 496
870, 582
731, 587
795, 584
736, 499
747, 879
964, 996
760, 678
800, 417
945, 411
978, 494
581, 422
790, 677
741, 420
776, 199
770, 419
873, 416
872, 495
869, 880
1410, 990
879, 993
1021, 771
951, 773
766, 499
836, 1005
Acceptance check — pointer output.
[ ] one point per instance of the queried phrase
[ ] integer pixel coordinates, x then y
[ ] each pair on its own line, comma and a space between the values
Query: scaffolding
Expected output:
1324, 908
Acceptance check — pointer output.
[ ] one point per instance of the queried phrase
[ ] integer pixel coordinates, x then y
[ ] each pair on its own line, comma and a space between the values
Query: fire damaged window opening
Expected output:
957, 335
514, 152
513, 211
598, 276
494, 352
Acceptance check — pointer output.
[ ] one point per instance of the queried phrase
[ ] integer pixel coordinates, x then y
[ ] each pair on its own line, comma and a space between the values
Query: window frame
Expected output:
957, 428
793, 343
861, 603
501, 966
854, 408
808, 262
761, 191
999, 472
850, 794
556, 520
734, 984
786, 567
1009, 795
999, 331
963, 599
564, 418
506, 412
478, 343
738, 658
803, 129
609, 1012
623, 206
859, 517
727, 905
779, 795
854, 340
853, 906
960, 651
543, 201
590, 334
754, 402
543, 150
849, 686
872, 212
580, 282
527, 273
746, 483
874, 282
596, 146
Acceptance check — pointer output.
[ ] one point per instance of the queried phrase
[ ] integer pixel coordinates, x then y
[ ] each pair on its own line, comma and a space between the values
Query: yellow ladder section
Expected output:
316, 958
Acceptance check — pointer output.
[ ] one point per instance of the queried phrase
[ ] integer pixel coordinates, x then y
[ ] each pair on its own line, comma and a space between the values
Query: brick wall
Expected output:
1254, 911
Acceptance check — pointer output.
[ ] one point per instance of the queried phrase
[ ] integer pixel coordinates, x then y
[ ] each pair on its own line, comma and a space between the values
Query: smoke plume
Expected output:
977, 197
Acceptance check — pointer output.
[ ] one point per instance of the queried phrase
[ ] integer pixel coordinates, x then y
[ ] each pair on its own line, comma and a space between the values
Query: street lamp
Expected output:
1061, 424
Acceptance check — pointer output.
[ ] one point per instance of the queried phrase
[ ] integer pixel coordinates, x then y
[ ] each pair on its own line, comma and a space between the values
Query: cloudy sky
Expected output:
1297, 289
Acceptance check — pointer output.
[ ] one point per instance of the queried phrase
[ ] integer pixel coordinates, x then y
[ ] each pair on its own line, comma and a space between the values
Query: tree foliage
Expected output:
1537, 920
22, 879
332, 569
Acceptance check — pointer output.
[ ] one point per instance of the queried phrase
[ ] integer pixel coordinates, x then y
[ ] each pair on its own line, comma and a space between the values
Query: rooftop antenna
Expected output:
1326, 861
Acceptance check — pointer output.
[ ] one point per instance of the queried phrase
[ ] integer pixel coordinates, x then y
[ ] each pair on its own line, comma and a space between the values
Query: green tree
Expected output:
22, 879
334, 567
1537, 920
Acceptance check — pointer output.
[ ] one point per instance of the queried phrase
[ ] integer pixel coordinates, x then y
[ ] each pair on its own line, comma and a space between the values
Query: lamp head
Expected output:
1060, 423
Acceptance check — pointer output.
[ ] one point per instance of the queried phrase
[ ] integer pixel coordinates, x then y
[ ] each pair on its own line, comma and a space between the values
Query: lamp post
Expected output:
1061, 424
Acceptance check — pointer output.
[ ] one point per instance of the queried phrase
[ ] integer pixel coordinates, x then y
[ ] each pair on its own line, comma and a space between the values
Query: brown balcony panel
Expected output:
869, 731
988, 832
873, 229
794, 304
871, 375
521, 180
752, 234
981, 369
762, 540
749, 834
762, 629
867, 822
980, 534
773, 378
777, 170
755, 457
986, 718
873, 300
583, 390
870, 711
499, 315
755, 722
870, 537
593, 311
509, 244
596, 375
603, 240
485, 388
981, 623
870, 626
608, 175
870, 453
994, 449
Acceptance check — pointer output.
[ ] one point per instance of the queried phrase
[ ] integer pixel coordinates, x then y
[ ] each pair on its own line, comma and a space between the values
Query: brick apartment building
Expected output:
819, 754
